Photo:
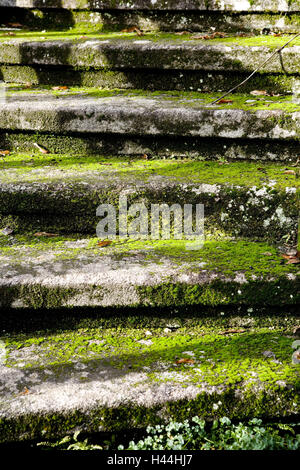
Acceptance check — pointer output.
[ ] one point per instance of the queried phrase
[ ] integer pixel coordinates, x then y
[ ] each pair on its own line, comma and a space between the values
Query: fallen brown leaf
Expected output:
41, 149
185, 361
293, 261
201, 36
4, 152
289, 172
14, 25
104, 243
59, 88
45, 234
133, 29
224, 101
182, 33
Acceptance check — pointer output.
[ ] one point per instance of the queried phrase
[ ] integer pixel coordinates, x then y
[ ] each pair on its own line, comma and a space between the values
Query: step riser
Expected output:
98, 284
136, 54
153, 146
153, 20
181, 80
35, 426
43, 207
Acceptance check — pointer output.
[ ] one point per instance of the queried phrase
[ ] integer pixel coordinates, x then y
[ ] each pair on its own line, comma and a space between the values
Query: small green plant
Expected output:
222, 435
197, 435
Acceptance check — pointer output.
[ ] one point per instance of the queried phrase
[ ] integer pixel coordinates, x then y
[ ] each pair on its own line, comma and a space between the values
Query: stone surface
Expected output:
143, 53
231, 5
63, 192
42, 272
99, 379
156, 114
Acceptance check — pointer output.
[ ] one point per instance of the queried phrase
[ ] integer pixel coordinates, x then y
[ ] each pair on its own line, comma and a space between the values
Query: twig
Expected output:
256, 70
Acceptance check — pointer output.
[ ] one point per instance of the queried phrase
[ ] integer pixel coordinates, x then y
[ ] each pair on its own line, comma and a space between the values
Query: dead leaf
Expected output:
258, 92
133, 29
59, 88
232, 331
41, 149
14, 25
224, 101
267, 253
4, 152
182, 33
200, 36
45, 234
25, 391
289, 172
276, 35
293, 261
104, 243
185, 361
145, 156
215, 35
10, 33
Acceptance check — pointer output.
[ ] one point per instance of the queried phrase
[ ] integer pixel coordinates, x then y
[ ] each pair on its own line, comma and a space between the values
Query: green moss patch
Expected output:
207, 369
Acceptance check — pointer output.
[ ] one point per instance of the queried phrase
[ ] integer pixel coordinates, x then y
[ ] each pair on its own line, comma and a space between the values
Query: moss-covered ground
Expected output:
219, 355
227, 256
240, 372
80, 36
50, 167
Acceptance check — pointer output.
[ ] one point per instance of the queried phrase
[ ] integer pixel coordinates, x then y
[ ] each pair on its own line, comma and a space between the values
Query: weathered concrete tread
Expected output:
155, 114
62, 272
116, 51
97, 379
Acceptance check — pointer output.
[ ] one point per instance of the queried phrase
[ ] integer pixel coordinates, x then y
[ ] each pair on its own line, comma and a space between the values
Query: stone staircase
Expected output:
107, 99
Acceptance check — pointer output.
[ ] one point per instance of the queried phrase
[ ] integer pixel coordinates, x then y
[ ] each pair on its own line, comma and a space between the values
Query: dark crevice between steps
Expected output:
26, 320
153, 146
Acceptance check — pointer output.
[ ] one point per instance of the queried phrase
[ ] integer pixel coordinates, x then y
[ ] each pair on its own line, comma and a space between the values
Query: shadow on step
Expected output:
27, 320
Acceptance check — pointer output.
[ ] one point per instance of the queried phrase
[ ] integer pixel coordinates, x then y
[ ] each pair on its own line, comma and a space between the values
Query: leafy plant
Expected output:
222, 435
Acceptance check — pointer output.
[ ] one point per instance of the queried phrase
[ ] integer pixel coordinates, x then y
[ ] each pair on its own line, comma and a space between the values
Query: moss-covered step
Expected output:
55, 272
117, 378
152, 51
198, 80
61, 193
136, 112
231, 5
86, 21
178, 147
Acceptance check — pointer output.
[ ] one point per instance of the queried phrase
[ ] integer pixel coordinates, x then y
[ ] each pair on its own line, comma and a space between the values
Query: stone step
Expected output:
152, 51
102, 112
177, 19
60, 193
155, 61
103, 377
43, 272
226, 5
